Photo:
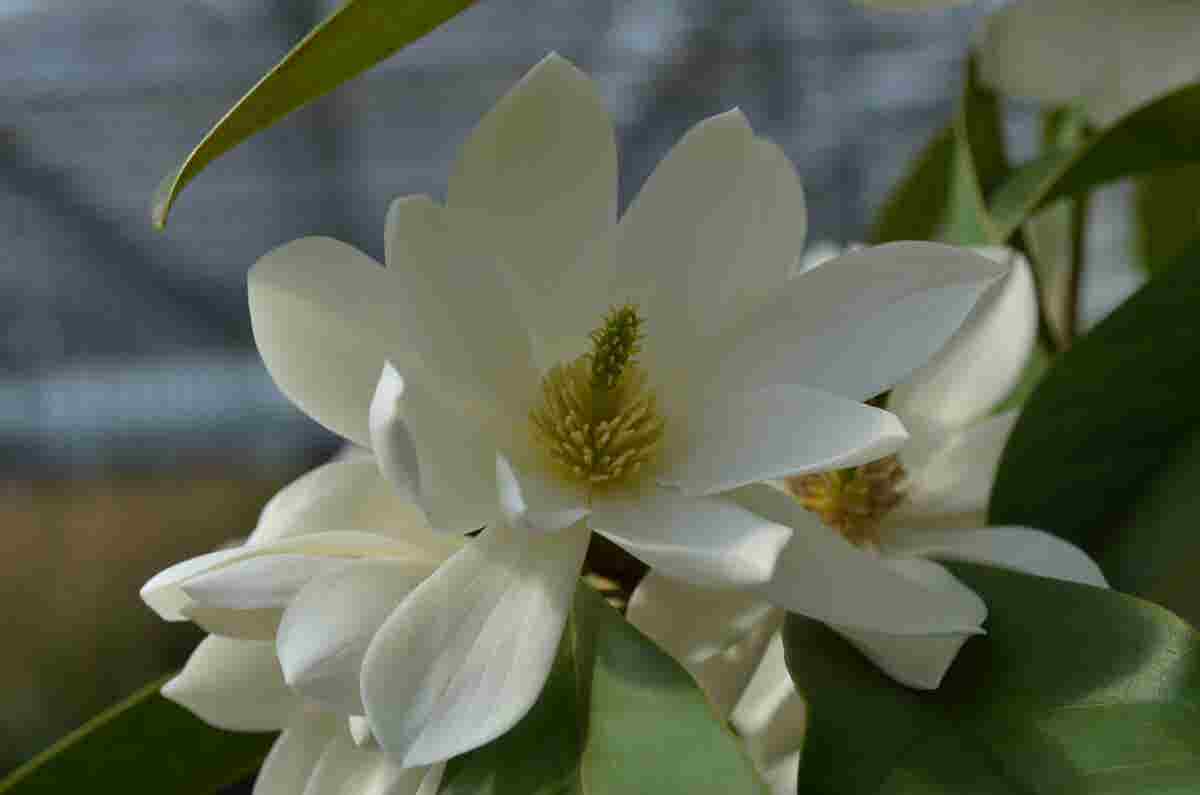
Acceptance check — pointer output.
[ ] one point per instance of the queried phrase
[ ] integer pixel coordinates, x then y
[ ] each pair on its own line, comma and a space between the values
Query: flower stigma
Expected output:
853, 501
598, 420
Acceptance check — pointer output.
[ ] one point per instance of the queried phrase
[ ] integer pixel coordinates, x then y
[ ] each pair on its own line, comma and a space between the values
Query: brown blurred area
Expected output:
73, 555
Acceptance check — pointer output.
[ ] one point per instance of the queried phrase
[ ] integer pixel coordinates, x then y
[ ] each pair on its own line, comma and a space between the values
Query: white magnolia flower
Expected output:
639, 380
904, 512
233, 679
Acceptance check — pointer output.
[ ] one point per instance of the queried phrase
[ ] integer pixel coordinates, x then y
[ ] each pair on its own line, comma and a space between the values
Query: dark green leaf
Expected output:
145, 744
915, 209
1099, 429
360, 34
1074, 691
1157, 135
1167, 215
978, 165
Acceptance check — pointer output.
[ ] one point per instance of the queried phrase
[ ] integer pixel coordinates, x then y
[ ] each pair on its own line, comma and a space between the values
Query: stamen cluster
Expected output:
853, 501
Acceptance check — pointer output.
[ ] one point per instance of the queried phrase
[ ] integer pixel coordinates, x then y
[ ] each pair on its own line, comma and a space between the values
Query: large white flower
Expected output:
901, 514
233, 679
637, 379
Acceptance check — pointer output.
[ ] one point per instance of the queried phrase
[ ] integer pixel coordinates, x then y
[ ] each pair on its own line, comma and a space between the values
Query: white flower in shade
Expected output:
891, 519
638, 379
233, 679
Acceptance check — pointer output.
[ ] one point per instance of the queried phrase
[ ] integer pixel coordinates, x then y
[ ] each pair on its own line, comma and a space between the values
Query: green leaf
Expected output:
360, 34
916, 207
650, 728
144, 744
1114, 416
1167, 213
1156, 135
1073, 691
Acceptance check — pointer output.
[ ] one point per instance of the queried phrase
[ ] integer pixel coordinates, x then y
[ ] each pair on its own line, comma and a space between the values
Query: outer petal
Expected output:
857, 325
771, 716
950, 477
465, 655
235, 685
267, 581
918, 661
774, 432
290, 764
712, 234
259, 624
325, 318
1019, 548
821, 575
982, 362
536, 182
708, 541
345, 769
326, 629
532, 501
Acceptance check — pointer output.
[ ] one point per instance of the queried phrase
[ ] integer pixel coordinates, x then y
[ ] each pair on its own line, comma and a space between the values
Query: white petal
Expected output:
717, 634
234, 685
708, 541
164, 591
950, 478
533, 500
290, 764
455, 448
466, 654
918, 661
712, 234
858, 324
345, 769
259, 582
774, 432
823, 576
325, 318
471, 339
982, 362
781, 776
536, 182
259, 624
360, 732
1019, 548
326, 629
770, 716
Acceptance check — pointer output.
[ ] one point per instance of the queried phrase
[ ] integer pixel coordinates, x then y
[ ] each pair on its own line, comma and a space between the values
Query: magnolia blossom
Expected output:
927, 503
346, 580
639, 379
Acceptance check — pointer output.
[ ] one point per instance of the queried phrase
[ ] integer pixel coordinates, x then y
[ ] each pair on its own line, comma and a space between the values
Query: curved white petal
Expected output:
855, 326
164, 591
345, 769
325, 317
536, 182
711, 235
982, 362
821, 575
770, 717
256, 583
465, 655
234, 685
707, 541
1020, 548
472, 341
781, 775
533, 500
326, 629
717, 634
774, 432
261, 624
455, 448
294, 755
952, 476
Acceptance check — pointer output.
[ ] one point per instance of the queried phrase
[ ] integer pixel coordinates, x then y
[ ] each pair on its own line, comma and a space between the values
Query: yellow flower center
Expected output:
598, 420
853, 501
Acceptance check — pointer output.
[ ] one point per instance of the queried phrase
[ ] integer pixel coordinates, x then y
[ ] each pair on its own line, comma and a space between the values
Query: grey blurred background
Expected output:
137, 425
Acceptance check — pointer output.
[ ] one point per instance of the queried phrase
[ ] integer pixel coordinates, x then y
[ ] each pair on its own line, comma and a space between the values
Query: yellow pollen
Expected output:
597, 419
852, 501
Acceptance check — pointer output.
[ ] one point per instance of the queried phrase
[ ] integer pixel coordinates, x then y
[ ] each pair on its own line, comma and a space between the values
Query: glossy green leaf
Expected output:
916, 207
1073, 691
1156, 135
1166, 215
360, 34
1101, 427
145, 744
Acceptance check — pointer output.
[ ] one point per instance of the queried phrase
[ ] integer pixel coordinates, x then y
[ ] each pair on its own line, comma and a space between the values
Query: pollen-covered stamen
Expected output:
597, 419
853, 501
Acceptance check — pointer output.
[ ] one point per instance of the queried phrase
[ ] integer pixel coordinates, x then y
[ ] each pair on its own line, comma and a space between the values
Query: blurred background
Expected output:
137, 425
